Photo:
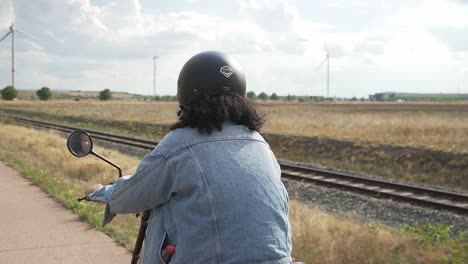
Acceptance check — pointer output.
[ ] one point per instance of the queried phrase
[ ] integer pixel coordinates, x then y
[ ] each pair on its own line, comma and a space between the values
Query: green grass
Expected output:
441, 236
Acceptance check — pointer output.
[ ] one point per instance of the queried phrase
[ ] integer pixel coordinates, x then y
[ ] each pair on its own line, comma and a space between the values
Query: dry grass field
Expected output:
317, 237
416, 142
441, 126
434, 125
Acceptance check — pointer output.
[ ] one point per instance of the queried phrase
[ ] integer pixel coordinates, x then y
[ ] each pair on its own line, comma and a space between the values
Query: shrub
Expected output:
263, 96
9, 93
251, 95
105, 94
44, 93
290, 98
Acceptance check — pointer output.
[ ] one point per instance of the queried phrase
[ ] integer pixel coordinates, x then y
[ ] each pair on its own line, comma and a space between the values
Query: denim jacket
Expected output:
218, 198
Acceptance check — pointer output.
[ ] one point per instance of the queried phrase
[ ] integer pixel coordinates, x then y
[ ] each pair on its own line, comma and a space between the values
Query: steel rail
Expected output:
425, 196
130, 141
440, 199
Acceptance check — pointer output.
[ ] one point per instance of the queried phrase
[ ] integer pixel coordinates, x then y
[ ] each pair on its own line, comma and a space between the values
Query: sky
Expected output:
374, 46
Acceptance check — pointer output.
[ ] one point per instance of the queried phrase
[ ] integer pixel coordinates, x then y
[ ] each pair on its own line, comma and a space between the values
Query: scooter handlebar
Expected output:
86, 198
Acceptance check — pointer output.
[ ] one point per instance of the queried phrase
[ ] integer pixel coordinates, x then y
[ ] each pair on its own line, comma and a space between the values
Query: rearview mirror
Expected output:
79, 143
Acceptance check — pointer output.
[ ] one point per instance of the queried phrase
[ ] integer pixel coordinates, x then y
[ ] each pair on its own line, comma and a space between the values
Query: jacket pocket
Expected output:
162, 245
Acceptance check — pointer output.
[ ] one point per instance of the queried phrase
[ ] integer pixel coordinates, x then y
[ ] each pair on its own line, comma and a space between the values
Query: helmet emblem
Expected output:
226, 71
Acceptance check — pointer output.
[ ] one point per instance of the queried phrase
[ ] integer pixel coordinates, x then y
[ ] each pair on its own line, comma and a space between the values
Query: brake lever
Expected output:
86, 198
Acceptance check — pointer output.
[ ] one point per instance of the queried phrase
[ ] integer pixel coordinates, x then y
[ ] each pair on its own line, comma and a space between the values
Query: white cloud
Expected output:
385, 5
84, 46
272, 15
432, 13
455, 38
333, 4
7, 13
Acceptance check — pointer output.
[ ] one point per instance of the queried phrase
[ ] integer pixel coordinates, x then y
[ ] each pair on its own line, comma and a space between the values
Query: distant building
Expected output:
390, 96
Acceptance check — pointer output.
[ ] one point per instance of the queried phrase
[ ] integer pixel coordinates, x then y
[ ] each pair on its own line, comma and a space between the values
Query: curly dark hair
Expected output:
210, 112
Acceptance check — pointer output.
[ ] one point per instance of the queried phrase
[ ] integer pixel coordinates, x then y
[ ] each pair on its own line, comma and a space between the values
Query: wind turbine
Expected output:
11, 32
154, 74
327, 59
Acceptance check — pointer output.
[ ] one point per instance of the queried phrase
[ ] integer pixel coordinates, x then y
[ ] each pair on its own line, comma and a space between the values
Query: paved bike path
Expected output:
34, 228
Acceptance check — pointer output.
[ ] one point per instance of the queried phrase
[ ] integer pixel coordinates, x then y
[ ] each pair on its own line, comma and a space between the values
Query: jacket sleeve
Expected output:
149, 187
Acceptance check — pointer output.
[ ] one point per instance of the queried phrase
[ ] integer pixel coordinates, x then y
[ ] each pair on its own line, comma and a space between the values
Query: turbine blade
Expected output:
5, 35
320, 65
26, 34
325, 47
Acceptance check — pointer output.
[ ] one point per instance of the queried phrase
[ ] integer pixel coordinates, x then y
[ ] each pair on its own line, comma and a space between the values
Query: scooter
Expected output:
80, 144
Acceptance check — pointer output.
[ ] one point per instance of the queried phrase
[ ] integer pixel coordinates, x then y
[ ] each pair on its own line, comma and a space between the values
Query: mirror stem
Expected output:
108, 161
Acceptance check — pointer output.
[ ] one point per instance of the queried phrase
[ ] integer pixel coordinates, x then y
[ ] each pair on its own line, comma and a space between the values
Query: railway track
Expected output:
443, 200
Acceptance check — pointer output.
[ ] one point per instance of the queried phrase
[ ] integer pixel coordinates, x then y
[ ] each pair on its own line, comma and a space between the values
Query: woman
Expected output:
212, 184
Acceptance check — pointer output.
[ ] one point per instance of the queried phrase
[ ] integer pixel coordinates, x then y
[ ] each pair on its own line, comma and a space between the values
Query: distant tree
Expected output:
316, 98
354, 99
274, 96
9, 93
44, 93
290, 98
168, 98
105, 94
263, 96
251, 95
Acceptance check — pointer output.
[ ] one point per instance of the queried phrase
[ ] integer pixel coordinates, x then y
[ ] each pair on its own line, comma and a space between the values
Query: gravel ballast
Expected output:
370, 209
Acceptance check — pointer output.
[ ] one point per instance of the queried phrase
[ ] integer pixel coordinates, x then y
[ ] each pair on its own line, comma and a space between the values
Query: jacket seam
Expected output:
133, 180
210, 196
196, 142
162, 150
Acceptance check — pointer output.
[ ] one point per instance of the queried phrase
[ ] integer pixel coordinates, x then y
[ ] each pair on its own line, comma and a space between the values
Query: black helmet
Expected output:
209, 73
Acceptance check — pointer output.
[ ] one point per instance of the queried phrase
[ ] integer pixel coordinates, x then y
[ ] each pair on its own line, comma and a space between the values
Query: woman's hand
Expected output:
91, 188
